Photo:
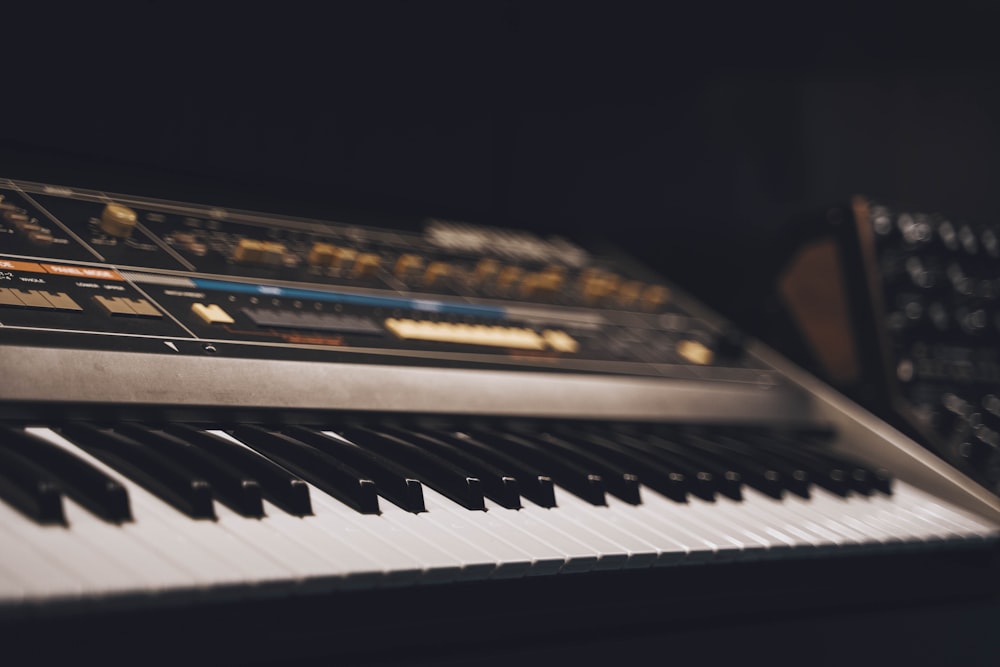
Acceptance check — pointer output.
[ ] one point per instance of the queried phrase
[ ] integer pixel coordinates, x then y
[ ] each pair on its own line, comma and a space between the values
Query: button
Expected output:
366, 266
118, 220
38, 300
32, 299
8, 298
211, 314
485, 270
466, 334
544, 284
436, 271
407, 265
628, 292
596, 284
305, 321
695, 352
267, 253
653, 297
508, 277
322, 255
560, 341
62, 301
125, 307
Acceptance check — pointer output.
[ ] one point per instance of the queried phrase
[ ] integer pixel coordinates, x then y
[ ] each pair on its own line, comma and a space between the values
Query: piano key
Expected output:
511, 560
752, 471
532, 483
433, 471
632, 540
219, 559
574, 478
390, 552
724, 479
40, 574
95, 568
498, 485
793, 477
99, 493
278, 486
654, 474
229, 485
30, 489
392, 482
188, 493
697, 482
319, 469
621, 482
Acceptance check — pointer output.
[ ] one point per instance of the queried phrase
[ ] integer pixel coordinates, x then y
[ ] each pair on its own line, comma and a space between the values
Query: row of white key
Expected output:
164, 554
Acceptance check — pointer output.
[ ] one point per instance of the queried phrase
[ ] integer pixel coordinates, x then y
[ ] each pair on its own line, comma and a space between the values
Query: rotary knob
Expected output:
118, 220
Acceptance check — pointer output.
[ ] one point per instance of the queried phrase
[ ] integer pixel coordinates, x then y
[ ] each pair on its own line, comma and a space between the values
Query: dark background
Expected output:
687, 133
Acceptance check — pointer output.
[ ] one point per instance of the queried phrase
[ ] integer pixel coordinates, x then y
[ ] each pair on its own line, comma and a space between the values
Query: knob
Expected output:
118, 220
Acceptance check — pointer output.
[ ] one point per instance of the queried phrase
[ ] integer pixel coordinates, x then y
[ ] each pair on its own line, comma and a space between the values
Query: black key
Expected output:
79, 480
189, 493
574, 478
697, 482
533, 484
498, 486
795, 477
726, 480
30, 489
322, 470
278, 485
861, 478
621, 482
392, 482
230, 486
653, 473
759, 475
828, 474
437, 473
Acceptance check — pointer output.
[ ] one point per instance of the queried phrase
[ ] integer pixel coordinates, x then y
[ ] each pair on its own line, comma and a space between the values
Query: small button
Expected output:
211, 314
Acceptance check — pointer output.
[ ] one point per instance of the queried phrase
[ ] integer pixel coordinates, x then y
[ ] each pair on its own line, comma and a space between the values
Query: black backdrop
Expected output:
686, 133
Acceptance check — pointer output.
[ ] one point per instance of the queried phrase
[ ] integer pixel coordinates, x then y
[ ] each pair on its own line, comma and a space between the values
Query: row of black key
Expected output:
358, 464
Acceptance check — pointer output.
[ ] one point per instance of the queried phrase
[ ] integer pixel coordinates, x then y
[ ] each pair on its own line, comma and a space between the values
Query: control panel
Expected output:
935, 294
87, 269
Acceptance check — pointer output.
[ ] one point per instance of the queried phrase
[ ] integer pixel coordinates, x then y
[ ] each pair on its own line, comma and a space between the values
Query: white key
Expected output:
99, 571
195, 544
618, 528
546, 559
40, 574
512, 561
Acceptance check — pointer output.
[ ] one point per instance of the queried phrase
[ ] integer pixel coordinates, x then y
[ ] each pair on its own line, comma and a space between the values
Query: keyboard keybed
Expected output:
252, 511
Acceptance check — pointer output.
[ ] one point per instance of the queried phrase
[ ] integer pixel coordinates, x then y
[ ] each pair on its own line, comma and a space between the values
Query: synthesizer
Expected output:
203, 406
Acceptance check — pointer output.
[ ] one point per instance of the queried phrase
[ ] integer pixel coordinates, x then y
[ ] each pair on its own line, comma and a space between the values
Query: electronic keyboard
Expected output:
207, 411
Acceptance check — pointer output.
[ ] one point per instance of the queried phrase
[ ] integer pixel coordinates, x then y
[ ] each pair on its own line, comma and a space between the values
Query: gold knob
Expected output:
118, 220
